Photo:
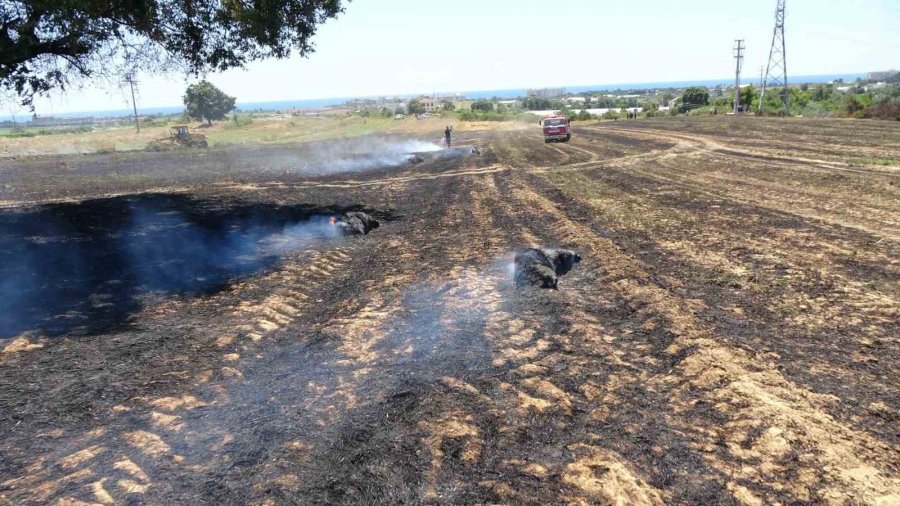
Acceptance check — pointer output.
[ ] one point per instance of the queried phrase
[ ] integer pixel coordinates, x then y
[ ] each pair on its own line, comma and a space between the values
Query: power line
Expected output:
776, 71
739, 59
131, 82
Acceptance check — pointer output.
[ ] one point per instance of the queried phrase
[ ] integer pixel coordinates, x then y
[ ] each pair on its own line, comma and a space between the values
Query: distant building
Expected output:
547, 92
431, 104
881, 75
576, 100
510, 104
600, 111
451, 97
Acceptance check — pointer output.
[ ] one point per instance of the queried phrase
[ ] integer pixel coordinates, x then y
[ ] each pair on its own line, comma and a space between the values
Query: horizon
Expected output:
581, 88
390, 49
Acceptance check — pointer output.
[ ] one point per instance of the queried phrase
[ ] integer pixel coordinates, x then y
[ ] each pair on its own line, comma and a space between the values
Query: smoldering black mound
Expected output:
542, 267
356, 223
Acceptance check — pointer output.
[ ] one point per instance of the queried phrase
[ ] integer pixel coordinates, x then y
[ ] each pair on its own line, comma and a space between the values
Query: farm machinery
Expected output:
179, 136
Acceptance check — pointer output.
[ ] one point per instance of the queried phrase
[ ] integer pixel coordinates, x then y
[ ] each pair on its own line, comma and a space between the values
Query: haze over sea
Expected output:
317, 103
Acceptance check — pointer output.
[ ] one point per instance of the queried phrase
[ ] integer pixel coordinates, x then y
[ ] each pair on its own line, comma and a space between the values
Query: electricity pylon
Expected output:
776, 71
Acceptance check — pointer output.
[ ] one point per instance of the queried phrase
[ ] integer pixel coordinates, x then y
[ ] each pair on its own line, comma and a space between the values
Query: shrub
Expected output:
470, 115
889, 110
483, 105
853, 108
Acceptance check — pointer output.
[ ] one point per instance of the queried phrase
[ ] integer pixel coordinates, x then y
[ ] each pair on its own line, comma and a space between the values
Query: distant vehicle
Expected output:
556, 128
179, 136
399, 116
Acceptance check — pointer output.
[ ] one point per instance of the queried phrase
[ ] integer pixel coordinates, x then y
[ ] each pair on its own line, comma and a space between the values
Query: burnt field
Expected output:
186, 331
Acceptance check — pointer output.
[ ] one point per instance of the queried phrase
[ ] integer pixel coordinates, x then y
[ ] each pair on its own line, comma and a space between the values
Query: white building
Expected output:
547, 92
431, 104
603, 110
881, 75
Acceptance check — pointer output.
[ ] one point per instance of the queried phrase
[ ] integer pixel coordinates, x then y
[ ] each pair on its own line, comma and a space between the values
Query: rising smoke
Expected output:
81, 267
366, 153
349, 155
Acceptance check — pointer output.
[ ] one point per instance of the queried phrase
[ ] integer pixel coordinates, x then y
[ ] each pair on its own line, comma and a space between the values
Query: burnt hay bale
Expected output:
542, 267
356, 223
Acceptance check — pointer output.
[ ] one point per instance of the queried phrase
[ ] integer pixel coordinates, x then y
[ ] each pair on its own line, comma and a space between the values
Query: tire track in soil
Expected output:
707, 250
424, 374
145, 441
549, 346
473, 421
855, 212
592, 353
839, 332
826, 216
433, 331
373, 338
704, 144
721, 177
358, 357
737, 411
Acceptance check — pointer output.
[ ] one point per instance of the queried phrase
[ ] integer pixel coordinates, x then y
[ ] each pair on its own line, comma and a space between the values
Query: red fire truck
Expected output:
556, 128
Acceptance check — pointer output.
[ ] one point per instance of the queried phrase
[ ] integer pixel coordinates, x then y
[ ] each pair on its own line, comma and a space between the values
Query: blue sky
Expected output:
414, 46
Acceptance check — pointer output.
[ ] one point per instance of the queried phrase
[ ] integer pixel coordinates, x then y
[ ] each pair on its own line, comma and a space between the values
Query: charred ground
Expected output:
729, 337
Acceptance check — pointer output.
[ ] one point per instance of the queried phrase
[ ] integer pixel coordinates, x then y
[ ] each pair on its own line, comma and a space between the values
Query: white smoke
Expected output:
299, 236
367, 153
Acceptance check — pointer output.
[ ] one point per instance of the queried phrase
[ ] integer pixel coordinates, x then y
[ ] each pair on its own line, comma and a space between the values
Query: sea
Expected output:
318, 103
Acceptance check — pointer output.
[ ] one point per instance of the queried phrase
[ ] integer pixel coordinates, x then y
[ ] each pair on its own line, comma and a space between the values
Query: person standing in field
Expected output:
447, 135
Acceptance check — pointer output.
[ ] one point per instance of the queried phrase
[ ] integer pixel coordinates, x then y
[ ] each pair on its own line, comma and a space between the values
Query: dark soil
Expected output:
673, 364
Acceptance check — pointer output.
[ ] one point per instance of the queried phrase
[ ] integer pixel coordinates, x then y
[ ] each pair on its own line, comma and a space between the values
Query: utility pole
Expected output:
776, 71
131, 82
762, 69
739, 58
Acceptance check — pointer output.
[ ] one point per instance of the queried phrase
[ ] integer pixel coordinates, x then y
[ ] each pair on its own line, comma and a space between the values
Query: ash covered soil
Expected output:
730, 336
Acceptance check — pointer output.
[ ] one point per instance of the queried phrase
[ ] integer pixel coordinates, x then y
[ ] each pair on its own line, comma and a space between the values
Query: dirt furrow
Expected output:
742, 392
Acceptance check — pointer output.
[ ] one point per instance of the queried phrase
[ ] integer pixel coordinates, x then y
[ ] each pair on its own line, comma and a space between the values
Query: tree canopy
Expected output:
203, 101
483, 105
416, 107
536, 103
695, 97
47, 44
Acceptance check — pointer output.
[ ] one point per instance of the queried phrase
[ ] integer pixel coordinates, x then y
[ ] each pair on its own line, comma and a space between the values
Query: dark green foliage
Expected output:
749, 96
695, 97
483, 106
536, 103
415, 107
853, 107
822, 92
773, 102
470, 115
32, 132
44, 44
203, 101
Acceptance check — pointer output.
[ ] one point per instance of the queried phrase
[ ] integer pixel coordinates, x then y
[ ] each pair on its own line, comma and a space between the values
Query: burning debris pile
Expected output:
354, 223
542, 267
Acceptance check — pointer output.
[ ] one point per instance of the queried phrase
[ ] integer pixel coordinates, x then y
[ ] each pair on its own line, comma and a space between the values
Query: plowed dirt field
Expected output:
732, 335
